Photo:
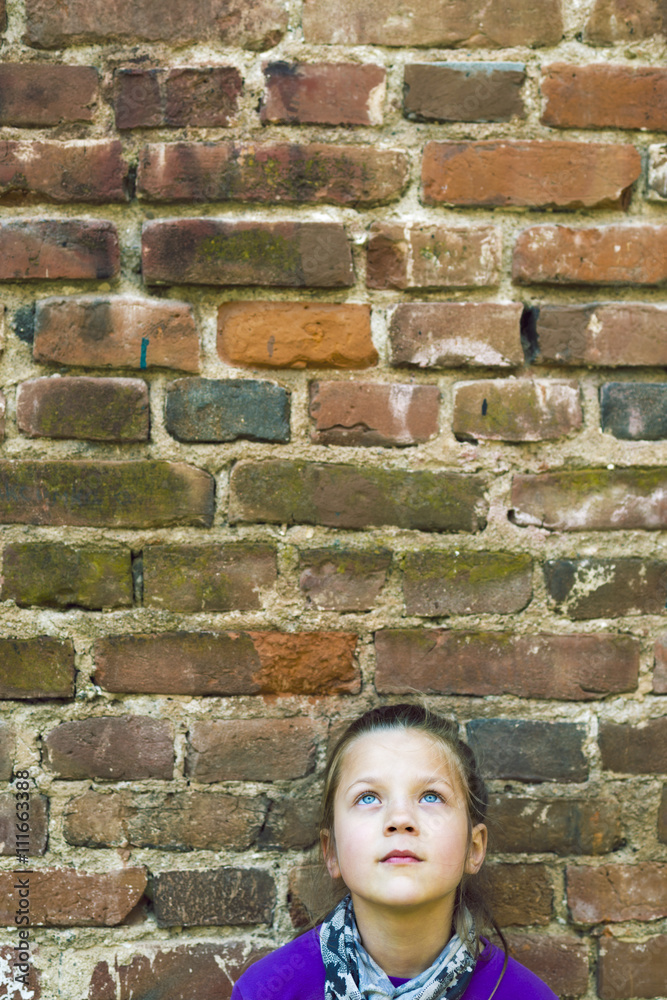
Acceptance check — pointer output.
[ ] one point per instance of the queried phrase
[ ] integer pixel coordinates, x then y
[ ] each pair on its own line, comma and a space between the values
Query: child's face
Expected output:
398, 793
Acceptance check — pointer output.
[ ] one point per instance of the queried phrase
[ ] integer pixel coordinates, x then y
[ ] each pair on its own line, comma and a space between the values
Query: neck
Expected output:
406, 942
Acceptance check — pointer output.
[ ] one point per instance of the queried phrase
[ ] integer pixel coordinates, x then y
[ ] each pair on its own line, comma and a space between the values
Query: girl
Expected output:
402, 828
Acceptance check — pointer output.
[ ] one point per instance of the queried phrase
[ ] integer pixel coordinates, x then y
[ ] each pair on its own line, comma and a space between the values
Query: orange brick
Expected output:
602, 96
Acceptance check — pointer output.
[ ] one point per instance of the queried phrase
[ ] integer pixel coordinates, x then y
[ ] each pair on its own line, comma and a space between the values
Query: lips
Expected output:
401, 857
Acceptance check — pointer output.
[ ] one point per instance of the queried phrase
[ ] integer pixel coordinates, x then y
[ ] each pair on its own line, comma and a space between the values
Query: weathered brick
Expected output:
520, 894
206, 971
55, 575
64, 897
86, 170
7, 750
662, 816
228, 663
365, 413
323, 94
467, 583
251, 749
219, 896
607, 588
464, 92
115, 494
516, 410
11, 960
87, 409
634, 749
271, 173
529, 750
204, 97
569, 667
296, 335
434, 23
423, 256
345, 496
597, 499
310, 892
610, 335
200, 409
456, 334
291, 824
216, 252
173, 821
624, 21
38, 813
559, 960
343, 579
37, 668
632, 968
558, 826
634, 411
531, 174
194, 578
123, 332
610, 255
114, 748
77, 249
617, 892
221, 22
39, 94
660, 666
604, 96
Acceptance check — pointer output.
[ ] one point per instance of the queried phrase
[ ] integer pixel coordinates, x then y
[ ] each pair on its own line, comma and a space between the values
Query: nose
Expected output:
400, 817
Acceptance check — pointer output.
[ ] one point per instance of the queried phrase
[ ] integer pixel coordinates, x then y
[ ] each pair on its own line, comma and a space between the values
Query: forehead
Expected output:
409, 749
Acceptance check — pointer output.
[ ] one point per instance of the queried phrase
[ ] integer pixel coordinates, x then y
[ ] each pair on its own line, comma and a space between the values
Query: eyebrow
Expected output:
422, 779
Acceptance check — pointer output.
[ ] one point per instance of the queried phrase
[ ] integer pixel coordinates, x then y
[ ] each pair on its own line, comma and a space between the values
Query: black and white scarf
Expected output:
353, 975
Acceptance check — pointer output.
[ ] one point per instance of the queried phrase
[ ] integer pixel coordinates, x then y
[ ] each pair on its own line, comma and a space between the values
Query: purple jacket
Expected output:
296, 972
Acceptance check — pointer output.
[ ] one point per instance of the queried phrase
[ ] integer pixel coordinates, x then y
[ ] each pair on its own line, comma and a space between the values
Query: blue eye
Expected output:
431, 797
366, 796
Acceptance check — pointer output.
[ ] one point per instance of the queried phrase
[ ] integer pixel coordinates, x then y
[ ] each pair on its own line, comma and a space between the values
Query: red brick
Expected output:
82, 170
343, 579
632, 968
520, 895
422, 256
63, 897
660, 667
171, 821
617, 892
516, 410
638, 749
591, 499
529, 174
58, 248
610, 255
193, 578
9, 958
113, 748
323, 94
38, 813
559, 960
568, 667
216, 897
251, 749
609, 335
296, 335
606, 588
123, 332
456, 334
271, 173
88, 409
37, 668
215, 252
39, 94
604, 96
311, 894
221, 22
7, 750
466, 583
115, 494
347, 496
204, 97
56, 575
365, 413
433, 23
559, 826
624, 21
228, 663
464, 92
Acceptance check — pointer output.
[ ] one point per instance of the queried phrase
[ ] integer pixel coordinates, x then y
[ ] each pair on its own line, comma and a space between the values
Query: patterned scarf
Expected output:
353, 975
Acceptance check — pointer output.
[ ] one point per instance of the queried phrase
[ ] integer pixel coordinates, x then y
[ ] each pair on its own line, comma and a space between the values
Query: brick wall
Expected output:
334, 360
